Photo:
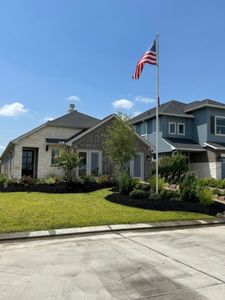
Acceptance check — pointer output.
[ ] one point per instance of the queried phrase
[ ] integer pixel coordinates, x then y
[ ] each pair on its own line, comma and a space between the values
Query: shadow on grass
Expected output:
164, 204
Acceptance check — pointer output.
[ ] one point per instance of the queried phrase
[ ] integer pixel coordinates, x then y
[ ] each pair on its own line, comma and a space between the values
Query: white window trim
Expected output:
216, 117
88, 167
178, 129
173, 133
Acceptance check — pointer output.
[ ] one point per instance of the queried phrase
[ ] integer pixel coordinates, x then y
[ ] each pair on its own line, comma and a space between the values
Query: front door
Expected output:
29, 162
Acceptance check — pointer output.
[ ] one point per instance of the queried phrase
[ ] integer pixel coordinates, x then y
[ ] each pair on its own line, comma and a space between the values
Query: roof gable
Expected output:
105, 120
75, 119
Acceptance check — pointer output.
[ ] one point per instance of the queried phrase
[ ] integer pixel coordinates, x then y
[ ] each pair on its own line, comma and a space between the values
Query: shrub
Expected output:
141, 185
51, 180
105, 180
212, 182
205, 196
169, 194
88, 179
154, 197
172, 167
126, 184
188, 188
137, 194
4, 180
161, 183
26, 180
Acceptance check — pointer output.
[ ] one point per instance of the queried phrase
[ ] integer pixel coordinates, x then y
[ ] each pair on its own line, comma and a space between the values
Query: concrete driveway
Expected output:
174, 264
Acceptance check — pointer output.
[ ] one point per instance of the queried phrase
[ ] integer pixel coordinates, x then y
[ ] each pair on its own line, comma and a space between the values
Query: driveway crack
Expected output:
172, 258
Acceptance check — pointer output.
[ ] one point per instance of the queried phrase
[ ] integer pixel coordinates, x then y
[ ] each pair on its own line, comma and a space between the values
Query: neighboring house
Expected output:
197, 129
35, 153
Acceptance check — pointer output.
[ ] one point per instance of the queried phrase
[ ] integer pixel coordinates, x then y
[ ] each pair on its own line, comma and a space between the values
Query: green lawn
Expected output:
26, 211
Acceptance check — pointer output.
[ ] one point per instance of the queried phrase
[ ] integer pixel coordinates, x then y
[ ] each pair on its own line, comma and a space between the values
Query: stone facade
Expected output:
207, 169
95, 140
37, 140
209, 163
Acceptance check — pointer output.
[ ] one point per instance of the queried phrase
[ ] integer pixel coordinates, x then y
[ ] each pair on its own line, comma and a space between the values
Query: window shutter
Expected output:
212, 125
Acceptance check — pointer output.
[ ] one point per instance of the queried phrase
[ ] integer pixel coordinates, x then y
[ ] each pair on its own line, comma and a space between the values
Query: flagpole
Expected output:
157, 113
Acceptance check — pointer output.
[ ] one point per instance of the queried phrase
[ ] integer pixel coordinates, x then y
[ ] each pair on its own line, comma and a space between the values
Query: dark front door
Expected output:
29, 162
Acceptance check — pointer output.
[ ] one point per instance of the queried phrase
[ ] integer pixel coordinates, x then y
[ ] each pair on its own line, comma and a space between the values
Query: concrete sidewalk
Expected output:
106, 228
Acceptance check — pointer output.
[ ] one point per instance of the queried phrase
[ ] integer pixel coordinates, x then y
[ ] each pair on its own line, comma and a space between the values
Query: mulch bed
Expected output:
61, 188
167, 205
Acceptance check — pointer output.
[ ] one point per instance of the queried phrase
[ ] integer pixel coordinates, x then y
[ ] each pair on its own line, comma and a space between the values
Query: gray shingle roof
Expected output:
170, 107
178, 108
184, 144
219, 146
75, 119
196, 104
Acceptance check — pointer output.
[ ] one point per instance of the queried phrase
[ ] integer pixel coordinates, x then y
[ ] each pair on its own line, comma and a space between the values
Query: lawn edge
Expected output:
107, 228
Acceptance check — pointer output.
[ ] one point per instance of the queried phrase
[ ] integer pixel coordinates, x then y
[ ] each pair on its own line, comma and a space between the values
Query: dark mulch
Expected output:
60, 188
167, 204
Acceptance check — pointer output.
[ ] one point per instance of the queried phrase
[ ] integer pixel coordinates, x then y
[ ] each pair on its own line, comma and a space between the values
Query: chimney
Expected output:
71, 108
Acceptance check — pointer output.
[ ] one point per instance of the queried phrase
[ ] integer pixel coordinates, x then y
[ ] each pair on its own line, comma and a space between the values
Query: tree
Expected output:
68, 160
119, 144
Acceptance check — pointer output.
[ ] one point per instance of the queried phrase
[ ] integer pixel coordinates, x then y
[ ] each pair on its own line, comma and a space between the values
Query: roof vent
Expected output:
71, 108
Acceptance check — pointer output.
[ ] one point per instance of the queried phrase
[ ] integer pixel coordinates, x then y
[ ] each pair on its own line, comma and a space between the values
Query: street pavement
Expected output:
162, 264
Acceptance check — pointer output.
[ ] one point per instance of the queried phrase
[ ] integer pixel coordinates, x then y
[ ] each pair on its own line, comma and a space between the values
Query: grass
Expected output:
24, 211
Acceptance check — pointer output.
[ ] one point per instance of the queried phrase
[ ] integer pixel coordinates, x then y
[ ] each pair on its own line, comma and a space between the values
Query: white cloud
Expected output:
13, 109
73, 98
46, 119
123, 103
143, 99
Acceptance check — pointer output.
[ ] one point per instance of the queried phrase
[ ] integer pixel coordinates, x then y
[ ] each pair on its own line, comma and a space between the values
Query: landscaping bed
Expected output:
61, 188
167, 204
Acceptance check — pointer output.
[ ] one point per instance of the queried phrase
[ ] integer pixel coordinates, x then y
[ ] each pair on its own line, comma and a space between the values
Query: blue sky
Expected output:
86, 51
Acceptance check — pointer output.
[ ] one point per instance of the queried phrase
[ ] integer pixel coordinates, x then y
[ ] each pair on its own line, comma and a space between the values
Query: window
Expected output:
95, 163
220, 125
172, 128
91, 163
181, 128
144, 126
55, 156
82, 169
137, 166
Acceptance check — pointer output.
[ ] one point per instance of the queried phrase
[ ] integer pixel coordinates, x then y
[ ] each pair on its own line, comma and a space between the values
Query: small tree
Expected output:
119, 144
68, 160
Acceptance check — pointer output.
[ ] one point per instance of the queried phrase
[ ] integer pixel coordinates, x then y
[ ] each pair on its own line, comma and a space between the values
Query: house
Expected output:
35, 153
197, 129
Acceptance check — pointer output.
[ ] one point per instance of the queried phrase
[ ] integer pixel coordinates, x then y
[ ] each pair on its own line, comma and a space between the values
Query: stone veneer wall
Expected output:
95, 140
37, 140
207, 164
207, 169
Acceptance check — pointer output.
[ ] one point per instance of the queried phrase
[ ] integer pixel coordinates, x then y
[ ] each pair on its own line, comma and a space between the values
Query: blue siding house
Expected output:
197, 129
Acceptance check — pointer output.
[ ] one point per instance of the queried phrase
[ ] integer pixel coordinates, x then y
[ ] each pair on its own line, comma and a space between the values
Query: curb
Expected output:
106, 228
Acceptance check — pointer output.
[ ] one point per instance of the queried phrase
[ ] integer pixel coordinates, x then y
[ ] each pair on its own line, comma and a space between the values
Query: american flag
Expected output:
148, 58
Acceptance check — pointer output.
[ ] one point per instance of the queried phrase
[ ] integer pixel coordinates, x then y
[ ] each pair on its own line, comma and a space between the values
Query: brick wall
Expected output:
95, 140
